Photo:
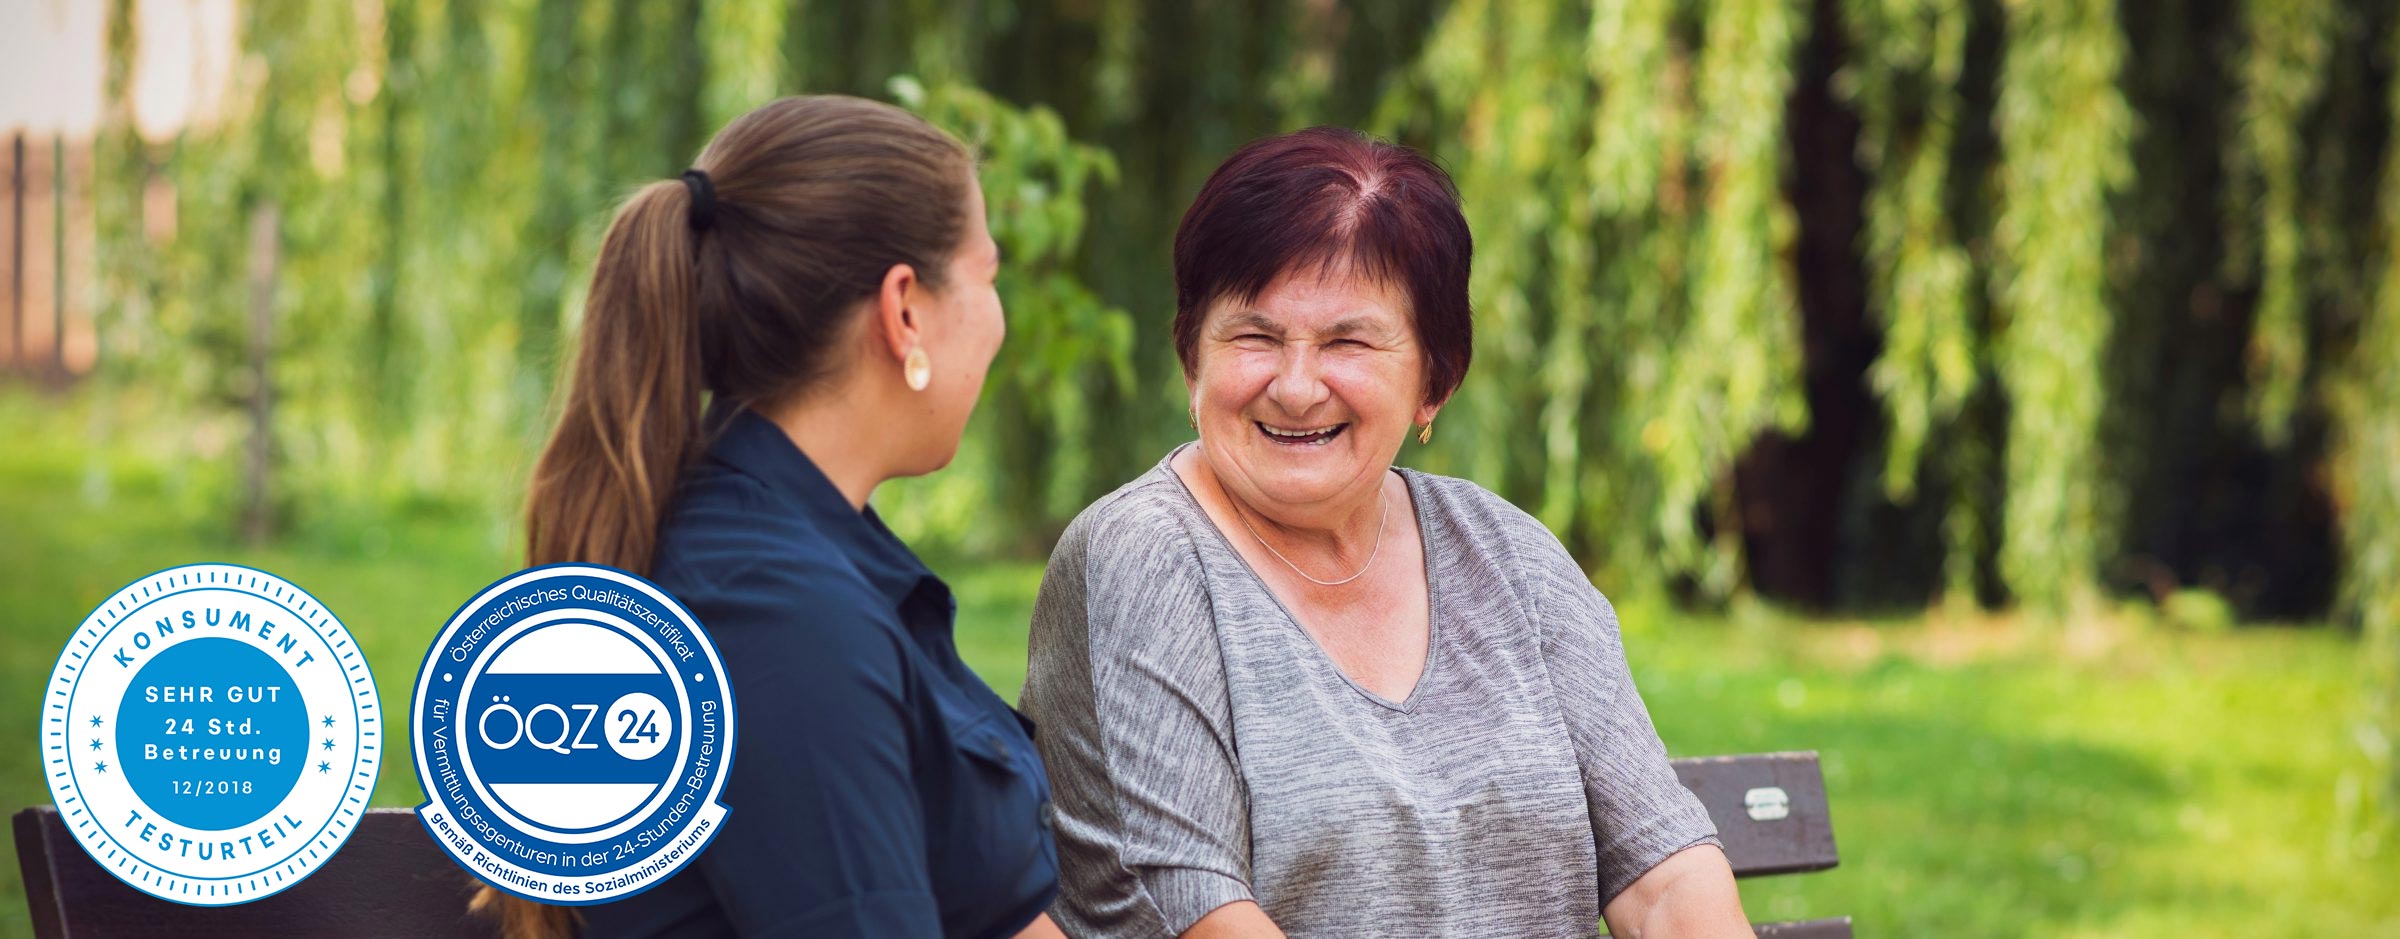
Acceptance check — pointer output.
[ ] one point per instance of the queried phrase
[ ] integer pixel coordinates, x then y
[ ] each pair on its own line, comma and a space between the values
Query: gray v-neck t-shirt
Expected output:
1203, 749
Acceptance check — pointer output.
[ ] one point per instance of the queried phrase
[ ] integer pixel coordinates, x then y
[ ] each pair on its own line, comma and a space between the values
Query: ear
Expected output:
1426, 412
895, 327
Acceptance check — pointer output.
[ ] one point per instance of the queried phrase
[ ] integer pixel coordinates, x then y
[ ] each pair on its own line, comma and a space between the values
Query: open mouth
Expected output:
1301, 436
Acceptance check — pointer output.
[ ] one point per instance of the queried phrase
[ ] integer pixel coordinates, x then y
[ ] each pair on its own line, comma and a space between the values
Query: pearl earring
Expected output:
917, 369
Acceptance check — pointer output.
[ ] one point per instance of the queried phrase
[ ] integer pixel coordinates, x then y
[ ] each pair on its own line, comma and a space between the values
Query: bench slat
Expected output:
389, 880
1807, 929
1800, 840
392, 880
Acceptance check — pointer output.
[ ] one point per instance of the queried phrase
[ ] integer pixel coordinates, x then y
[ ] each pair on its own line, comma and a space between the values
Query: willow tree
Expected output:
1033, 441
2283, 73
129, 288
2064, 128
2367, 462
1905, 85
1620, 164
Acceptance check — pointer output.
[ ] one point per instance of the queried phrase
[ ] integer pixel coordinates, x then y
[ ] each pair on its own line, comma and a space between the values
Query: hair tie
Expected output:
704, 199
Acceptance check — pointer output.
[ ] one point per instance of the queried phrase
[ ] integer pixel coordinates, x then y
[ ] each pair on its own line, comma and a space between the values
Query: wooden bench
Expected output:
390, 879
1770, 812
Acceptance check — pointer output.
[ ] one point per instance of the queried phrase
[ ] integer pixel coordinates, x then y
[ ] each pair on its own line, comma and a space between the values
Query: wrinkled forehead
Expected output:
1318, 299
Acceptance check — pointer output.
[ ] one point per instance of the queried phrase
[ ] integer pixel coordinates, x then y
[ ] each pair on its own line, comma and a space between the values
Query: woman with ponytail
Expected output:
807, 312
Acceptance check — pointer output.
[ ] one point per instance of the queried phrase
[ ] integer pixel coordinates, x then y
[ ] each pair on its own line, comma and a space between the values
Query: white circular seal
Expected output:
211, 734
573, 728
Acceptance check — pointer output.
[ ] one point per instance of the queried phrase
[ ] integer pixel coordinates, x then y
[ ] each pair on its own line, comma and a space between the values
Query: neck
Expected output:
831, 431
1346, 526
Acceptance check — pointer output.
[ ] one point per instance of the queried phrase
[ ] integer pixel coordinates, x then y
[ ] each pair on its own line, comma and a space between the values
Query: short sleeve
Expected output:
1641, 813
1128, 686
824, 836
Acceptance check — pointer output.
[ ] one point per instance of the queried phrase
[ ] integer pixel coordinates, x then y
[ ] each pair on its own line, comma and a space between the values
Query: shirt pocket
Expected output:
994, 818
981, 738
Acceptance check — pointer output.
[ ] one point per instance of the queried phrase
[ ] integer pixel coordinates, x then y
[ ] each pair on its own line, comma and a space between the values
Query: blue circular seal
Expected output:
211, 734
573, 729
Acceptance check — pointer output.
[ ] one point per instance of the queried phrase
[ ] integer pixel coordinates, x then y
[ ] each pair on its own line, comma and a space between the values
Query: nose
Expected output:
1299, 384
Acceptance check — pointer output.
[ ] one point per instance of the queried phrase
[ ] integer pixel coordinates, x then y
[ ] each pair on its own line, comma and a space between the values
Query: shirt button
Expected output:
1044, 815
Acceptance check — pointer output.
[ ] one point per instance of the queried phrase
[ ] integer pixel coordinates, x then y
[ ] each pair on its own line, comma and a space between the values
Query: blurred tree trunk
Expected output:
266, 238
1795, 491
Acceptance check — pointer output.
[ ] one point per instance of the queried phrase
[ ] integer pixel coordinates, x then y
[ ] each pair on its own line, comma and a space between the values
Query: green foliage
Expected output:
1906, 90
2367, 476
2282, 75
444, 167
1631, 262
2197, 609
2064, 128
1905, 84
1064, 342
1736, 366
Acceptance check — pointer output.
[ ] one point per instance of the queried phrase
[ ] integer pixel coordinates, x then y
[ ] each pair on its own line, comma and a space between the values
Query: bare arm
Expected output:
1241, 919
1041, 928
1691, 893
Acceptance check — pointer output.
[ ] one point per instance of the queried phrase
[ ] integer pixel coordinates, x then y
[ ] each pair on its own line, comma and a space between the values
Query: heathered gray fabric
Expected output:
1203, 749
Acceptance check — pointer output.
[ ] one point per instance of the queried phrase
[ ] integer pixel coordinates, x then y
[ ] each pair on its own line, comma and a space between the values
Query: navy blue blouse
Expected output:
878, 787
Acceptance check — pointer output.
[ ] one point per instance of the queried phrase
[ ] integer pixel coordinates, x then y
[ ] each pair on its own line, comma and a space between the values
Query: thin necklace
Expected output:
1287, 562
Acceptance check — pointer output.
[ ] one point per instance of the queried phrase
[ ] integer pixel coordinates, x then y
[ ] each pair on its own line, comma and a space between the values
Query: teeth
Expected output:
1298, 433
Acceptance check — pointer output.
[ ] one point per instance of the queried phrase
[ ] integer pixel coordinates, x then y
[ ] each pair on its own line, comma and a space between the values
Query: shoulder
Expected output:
758, 575
1146, 523
1466, 510
1516, 547
1128, 569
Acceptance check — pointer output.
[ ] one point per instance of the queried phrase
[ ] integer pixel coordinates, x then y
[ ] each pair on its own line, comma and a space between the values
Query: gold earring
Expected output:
1426, 436
917, 369
1192, 416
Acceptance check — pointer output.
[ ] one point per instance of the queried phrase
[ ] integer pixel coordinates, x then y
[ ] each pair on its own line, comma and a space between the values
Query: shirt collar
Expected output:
754, 446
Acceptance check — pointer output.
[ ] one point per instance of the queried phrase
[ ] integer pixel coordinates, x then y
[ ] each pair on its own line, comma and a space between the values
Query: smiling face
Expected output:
1304, 394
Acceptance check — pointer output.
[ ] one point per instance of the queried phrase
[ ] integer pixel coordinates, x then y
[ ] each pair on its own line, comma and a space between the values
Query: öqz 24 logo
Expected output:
573, 731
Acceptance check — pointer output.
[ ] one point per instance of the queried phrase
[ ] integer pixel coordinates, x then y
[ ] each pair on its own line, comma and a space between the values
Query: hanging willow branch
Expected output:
2283, 72
1906, 80
2367, 470
1637, 328
2064, 129
1737, 366
1638, 169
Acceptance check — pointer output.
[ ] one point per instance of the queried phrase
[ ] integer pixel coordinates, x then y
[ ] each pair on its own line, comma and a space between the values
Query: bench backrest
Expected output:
1770, 812
391, 880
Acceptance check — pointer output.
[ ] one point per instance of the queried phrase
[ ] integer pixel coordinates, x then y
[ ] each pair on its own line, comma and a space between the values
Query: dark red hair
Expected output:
1328, 197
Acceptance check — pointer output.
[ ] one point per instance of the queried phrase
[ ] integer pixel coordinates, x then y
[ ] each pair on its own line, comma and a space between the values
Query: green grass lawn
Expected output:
1988, 777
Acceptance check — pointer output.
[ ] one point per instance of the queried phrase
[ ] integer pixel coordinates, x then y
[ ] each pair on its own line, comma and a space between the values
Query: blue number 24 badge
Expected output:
573, 729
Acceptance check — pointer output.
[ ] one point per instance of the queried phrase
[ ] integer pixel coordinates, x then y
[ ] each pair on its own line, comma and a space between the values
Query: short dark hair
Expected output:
1330, 196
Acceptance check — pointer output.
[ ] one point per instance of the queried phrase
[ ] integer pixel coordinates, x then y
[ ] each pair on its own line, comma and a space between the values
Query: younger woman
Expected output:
807, 312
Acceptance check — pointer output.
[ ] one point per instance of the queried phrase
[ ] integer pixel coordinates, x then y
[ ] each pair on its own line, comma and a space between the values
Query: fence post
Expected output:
265, 242
57, 368
16, 251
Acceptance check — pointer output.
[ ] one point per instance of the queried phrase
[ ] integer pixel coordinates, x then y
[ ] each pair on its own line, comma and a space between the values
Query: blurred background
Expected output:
2001, 397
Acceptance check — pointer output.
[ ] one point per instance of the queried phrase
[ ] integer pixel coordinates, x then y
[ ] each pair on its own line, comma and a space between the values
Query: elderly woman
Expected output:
1287, 688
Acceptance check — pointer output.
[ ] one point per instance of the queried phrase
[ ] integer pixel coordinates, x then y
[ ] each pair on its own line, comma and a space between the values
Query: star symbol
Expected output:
328, 720
101, 766
95, 720
95, 743
329, 743
324, 767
